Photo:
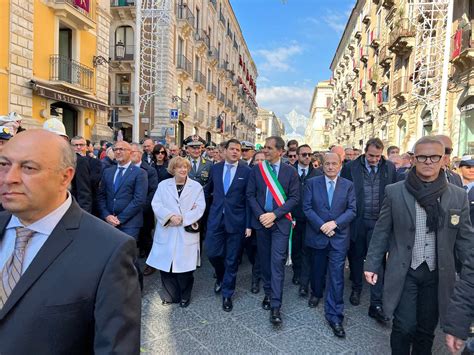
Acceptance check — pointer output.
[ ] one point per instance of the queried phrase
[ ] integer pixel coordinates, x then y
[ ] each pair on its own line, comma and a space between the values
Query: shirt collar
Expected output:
46, 224
124, 166
328, 179
367, 165
233, 164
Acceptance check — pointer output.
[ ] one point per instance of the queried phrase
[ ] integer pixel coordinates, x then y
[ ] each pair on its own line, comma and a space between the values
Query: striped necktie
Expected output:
11, 272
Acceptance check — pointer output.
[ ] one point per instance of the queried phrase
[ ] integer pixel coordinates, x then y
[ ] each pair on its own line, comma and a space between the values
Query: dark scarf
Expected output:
427, 195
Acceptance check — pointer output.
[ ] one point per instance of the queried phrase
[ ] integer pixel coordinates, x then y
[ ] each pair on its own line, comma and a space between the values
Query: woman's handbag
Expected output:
192, 228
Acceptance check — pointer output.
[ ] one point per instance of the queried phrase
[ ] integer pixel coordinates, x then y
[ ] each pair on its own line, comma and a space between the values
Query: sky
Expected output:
292, 43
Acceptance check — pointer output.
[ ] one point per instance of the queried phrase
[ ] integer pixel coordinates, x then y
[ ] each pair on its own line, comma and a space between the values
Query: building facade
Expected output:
377, 81
48, 64
317, 133
193, 58
268, 124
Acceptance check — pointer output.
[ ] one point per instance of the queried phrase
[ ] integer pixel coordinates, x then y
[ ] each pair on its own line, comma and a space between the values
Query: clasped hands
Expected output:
267, 219
175, 220
328, 228
112, 220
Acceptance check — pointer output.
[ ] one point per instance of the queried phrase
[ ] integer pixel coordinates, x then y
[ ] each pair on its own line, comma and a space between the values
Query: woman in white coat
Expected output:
178, 204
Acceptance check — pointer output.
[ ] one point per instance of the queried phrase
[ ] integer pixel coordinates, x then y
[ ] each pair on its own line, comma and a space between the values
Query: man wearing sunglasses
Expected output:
452, 177
299, 252
423, 219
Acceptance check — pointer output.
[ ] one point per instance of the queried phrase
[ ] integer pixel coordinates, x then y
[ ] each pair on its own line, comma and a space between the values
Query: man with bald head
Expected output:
148, 146
330, 206
452, 177
67, 281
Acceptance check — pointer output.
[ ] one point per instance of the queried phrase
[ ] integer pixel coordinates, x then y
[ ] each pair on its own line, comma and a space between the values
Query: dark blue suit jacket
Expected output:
237, 212
257, 191
470, 197
317, 211
129, 200
152, 181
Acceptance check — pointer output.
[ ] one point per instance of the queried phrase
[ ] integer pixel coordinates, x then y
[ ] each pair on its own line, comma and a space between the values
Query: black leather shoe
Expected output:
184, 303
217, 287
355, 298
313, 301
266, 303
227, 304
255, 287
295, 280
303, 292
338, 330
378, 314
275, 317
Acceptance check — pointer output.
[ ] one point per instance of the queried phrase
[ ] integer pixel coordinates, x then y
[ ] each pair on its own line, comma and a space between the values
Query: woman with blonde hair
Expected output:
178, 205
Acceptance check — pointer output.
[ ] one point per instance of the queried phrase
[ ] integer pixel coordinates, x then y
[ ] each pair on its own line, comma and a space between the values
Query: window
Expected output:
402, 131
122, 86
124, 36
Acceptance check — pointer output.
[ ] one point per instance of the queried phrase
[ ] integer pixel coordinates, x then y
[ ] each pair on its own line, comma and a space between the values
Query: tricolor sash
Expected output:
278, 194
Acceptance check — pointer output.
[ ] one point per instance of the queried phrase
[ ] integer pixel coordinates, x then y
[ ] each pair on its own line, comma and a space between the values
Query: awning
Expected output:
51, 92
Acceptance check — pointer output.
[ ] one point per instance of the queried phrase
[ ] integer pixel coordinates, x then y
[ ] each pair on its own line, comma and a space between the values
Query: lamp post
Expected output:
176, 98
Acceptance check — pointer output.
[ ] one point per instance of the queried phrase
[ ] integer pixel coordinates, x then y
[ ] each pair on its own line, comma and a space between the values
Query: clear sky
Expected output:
292, 43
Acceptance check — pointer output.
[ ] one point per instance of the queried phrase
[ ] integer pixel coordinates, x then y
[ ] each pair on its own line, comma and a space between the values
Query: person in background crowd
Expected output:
71, 287
102, 151
90, 149
13, 122
220, 155
329, 206
349, 153
145, 238
339, 151
199, 166
292, 144
452, 177
173, 150
357, 153
248, 151
230, 221
466, 168
178, 204
210, 152
370, 173
5, 135
292, 157
97, 150
422, 220
109, 160
396, 160
300, 255
160, 162
317, 160
272, 220
392, 150
147, 156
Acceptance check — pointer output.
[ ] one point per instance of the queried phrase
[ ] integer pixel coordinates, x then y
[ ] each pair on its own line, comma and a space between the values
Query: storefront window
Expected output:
466, 132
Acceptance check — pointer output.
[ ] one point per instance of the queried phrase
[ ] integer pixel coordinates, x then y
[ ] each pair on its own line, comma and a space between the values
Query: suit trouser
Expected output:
223, 250
133, 232
300, 254
356, 255
335, 259
145, 237
250, 246
416, 316
272, 247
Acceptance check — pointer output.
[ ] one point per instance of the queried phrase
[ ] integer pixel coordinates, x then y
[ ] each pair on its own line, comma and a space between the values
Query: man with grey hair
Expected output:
451, 176
422, 220
67, 279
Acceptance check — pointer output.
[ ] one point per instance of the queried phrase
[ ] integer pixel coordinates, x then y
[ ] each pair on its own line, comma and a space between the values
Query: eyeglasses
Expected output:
448, 150
424, 158
120, 149
291, 156
161, 152
305, 155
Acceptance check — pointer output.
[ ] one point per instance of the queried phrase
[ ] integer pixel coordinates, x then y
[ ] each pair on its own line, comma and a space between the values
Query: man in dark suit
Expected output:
370, 173
466, 167
68, 281
148, 146
230, 221
451, 176
145, 237
330, 207
271, 219
299, 253
423, 219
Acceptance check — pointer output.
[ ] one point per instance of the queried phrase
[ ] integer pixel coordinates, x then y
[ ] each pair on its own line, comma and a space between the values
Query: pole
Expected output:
136, 99
444, 80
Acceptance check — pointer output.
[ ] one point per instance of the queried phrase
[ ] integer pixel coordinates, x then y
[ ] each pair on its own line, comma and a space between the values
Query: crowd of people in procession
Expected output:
403, 222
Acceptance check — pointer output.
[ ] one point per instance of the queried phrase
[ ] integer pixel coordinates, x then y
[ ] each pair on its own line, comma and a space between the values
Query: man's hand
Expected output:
267, 219
454, 344
328, 227
112, 220
371, 277
248, 232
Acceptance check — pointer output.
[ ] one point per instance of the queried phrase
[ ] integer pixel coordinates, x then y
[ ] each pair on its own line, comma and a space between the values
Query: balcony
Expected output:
383, 98
366, 17
373, 75
83, 17
462, 47
121, 99
184, 66
235, 45
213, 55
202, 40
199, 116
222, 67
400, 87
385, 57
362, 87
185, 18
229, 33
123, 9
364, 54
221, 18
68, 71
388, 3
358, 33
228, 103
199, 79
211, 90
369, 109
352, 45
375, 38
402, 37
184, 108
220, 99
355, 66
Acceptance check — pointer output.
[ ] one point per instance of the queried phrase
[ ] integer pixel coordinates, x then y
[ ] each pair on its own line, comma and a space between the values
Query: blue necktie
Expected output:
330, 192
269, 198
227, 178
118, 178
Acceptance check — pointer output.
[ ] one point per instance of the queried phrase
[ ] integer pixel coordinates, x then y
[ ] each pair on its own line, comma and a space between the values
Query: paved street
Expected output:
205, 328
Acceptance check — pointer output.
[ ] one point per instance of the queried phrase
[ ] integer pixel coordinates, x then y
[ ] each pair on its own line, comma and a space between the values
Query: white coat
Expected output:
172, 245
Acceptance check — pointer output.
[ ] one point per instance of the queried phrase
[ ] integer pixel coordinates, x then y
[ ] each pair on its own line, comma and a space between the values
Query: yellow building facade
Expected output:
48, 65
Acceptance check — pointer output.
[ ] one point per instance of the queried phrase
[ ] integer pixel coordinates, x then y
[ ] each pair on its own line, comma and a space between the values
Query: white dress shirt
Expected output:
42, 228
300, 169
233, 170
327, 182
124, 170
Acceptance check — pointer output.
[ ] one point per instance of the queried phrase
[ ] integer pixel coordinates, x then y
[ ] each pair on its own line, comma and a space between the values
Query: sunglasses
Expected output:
305, 155
292, 156
161, 152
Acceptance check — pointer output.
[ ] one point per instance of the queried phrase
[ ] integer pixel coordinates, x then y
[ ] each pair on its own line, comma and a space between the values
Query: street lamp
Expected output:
176, 98
119, 55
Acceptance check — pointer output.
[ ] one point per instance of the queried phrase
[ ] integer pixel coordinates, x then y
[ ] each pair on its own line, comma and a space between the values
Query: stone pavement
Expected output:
204, 328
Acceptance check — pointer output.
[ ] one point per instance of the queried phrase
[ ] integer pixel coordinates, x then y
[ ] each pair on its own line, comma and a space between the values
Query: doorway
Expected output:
69, 117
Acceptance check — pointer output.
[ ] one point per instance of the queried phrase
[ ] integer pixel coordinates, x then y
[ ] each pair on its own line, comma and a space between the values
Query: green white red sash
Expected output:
278, 194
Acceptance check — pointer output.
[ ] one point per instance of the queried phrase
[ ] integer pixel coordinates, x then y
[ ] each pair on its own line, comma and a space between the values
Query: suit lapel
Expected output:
324, 192
238, 173
56, 243
410, 203
125, 176
4, 219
